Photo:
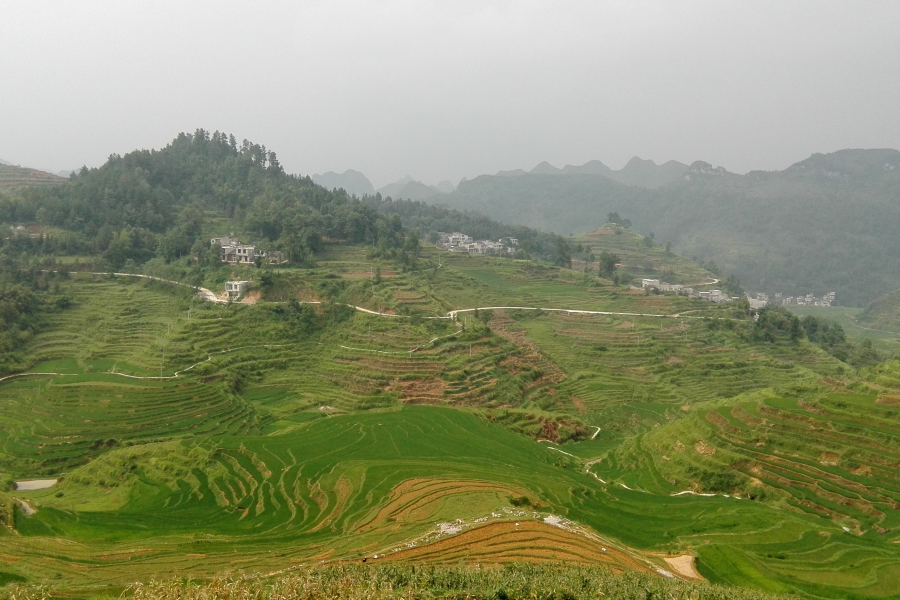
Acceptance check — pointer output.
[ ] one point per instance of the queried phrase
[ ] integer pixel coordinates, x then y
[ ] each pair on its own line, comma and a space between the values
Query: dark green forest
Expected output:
157, 203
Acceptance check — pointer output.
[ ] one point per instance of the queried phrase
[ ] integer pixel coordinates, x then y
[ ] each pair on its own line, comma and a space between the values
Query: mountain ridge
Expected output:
823, 224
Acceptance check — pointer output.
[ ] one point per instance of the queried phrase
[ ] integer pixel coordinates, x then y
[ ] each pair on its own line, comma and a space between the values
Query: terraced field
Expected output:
14, 178
243, 437
373, 490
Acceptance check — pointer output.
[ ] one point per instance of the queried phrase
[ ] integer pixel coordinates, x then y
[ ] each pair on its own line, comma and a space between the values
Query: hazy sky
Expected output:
443, 90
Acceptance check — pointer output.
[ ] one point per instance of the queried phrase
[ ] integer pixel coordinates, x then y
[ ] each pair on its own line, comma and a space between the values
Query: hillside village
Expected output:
460, 242
680, 290
759, 299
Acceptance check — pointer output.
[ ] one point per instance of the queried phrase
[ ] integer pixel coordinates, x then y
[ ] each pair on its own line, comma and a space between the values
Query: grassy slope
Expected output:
640, 260
883, 313
258, 468
13, 178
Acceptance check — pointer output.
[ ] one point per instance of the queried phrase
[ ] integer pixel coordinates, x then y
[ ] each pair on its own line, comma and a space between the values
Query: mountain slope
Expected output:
13, 177
824, 224
883, 313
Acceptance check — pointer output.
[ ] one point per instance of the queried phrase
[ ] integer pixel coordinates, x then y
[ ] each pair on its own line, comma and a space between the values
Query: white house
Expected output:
235, 289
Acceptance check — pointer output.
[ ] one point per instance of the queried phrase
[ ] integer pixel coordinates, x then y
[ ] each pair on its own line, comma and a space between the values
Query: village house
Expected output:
231, 250
460, 242
235, 289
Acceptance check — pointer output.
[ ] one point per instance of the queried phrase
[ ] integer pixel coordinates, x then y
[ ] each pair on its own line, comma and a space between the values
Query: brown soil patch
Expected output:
684, 565
420, 391
9, 559
674, 360
889, 400
624, 325
530, 541
810, 407
829, 458
251, 297
579, 405
718, 420
704, 449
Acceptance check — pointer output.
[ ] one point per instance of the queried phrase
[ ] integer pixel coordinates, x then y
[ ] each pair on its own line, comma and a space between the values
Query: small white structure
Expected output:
225, 240
649, 283
235, 289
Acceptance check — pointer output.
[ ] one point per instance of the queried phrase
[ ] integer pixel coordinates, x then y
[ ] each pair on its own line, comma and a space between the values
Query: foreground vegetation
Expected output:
356, 582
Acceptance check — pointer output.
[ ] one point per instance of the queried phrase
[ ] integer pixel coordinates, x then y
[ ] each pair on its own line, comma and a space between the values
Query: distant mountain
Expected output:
410, 189
445, 187
638, 172
827, 223
351, 181
593, 167
3, 162
646, 173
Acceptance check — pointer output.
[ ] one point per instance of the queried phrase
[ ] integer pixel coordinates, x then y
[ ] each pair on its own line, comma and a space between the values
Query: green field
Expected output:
193, 439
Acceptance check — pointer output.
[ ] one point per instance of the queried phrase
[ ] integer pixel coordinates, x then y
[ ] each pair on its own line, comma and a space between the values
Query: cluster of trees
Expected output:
153, 203
777, 323
26, 296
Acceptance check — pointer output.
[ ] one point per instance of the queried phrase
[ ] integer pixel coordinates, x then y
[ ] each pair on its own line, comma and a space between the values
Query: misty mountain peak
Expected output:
592, 167
637, 162
545, 168
351, 181
700, 167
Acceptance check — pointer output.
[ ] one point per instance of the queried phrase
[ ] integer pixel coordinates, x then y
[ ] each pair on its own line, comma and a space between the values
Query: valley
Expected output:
375, 397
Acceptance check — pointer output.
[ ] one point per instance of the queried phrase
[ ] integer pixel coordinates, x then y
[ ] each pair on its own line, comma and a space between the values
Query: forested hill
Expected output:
167, 202
827, 223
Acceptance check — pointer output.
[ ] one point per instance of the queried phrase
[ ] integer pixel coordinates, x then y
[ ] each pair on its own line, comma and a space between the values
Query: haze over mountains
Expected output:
638, 172
824, 224
356, 183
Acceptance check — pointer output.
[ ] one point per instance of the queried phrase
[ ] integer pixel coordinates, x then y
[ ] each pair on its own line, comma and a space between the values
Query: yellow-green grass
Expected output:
369, 483
624, 374
13, 178
280, 445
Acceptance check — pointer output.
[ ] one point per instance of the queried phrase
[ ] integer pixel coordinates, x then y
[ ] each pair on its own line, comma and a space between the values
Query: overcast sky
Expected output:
444, 90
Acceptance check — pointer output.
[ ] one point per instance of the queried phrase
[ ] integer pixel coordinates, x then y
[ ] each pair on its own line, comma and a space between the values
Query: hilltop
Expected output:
637, 172
14, 178
823, 224
352, 181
